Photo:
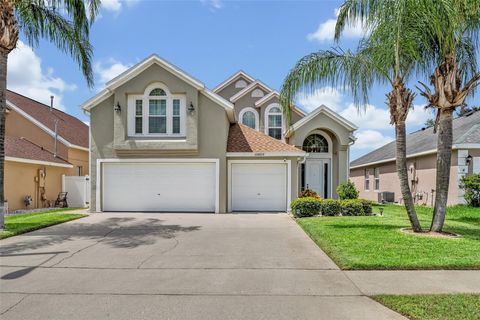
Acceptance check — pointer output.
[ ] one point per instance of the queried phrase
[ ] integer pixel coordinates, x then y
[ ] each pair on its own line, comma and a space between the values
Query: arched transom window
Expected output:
156, 113
274, 121
249, 117
315, 143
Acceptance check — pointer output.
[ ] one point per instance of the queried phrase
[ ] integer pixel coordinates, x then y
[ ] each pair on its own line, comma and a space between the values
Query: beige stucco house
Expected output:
375, 172
35, 157
162, 141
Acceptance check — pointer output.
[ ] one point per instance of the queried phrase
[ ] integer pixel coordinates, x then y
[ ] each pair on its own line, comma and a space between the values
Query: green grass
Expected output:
434, 307
26, 222
377, 242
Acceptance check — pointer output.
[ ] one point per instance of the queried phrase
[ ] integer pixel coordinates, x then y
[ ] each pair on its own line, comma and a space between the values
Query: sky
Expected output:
210, 40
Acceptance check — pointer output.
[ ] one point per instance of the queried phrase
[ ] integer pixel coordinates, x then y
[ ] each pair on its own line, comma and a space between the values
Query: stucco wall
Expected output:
230, 90
78, 158
213, 127
18, 126
425, 170
20, 182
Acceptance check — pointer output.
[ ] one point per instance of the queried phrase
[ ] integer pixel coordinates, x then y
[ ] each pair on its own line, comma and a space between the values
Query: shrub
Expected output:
367, 206
471, 184
331, 207
347, 190
306, 207
352, 207
309, 193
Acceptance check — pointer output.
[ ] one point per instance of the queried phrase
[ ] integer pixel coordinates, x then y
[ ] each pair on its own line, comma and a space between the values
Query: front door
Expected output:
317, 176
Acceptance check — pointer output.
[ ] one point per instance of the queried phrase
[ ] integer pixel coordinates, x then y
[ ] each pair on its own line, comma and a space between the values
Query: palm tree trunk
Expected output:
3, 105
444, 159
402, 171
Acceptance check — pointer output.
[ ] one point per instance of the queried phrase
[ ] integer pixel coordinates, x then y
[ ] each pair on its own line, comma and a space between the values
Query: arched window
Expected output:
157, 112
315, 143
240, 84
274, 121
257, 93
249, 117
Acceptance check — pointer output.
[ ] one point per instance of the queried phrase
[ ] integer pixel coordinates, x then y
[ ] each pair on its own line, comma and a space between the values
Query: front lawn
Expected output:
434, 307
26, 222
377, 242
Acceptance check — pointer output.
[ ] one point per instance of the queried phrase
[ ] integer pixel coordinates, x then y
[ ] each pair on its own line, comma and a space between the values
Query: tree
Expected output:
65, 23
429, 123
388, 53
453, 35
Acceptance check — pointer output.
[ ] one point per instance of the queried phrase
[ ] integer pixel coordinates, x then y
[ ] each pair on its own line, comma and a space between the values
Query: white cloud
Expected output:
106, 71
213, 4
418, 116
328, 96
117, 5
26, 76
326, 30
368, 117
370, 139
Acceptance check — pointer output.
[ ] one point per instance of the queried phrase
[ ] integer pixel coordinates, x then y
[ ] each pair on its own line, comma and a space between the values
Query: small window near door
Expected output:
376, 175
367, 180
79, 171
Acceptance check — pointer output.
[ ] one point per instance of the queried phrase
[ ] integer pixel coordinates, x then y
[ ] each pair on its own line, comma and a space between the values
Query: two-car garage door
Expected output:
167, 187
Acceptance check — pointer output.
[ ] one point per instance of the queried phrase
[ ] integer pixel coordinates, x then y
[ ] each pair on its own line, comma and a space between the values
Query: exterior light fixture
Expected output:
191, 108
117, 108
468, 159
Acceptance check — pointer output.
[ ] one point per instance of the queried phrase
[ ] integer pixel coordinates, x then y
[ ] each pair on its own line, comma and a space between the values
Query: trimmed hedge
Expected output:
347, 190
367, 206
331, 207
306, 207
352, 207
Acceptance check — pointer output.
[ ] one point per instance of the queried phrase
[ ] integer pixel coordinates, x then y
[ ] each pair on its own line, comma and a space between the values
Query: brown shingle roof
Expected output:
245, 139
69, 128
18, 147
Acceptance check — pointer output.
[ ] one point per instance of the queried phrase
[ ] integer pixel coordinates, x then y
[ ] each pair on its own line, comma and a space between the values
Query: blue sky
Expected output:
209, 39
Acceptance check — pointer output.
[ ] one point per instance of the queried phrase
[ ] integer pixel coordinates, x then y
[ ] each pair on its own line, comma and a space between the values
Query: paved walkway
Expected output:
191, 266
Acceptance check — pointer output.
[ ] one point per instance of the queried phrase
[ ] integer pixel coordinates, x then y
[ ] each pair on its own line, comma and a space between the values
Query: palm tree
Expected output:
66, 23
387, 54
454, 42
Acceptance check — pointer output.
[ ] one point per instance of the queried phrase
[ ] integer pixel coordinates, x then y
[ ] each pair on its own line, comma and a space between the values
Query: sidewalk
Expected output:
416, 281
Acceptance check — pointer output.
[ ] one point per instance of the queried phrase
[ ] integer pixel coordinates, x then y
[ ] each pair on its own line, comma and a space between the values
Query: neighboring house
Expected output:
375, 172
162, 141
34, 160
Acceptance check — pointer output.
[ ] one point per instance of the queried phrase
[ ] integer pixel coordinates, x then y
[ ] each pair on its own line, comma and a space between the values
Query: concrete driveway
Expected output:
176, 266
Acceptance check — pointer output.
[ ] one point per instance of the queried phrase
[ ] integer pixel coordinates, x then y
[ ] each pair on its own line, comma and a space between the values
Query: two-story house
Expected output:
162, 141
41, 145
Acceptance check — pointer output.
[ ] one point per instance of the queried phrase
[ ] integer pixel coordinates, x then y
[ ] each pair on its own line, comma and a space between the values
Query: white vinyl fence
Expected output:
78, 188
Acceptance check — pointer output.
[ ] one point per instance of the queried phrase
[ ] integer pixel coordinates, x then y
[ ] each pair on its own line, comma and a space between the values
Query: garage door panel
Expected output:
259, 187
163, 187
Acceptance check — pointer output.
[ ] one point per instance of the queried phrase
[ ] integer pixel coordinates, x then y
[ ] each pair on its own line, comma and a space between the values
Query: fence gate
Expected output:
78, 188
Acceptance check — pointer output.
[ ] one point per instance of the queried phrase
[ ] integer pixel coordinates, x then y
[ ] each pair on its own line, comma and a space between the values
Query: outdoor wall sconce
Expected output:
468, 159
191, 108
117, 108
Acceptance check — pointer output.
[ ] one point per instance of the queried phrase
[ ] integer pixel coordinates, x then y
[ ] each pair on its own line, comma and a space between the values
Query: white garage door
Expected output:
259, 187
162, 187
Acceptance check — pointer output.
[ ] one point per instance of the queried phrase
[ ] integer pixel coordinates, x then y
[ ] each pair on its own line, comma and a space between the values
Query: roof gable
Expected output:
69, 128
275, 94
237, 75
252, 86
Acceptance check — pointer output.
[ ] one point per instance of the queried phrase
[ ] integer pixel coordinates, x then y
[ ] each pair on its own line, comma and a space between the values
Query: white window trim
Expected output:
375, 179
257, 117
365, 179
267, 110
145, 106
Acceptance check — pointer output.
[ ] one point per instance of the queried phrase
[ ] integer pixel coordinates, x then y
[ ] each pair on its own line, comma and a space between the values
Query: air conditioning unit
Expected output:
385, 196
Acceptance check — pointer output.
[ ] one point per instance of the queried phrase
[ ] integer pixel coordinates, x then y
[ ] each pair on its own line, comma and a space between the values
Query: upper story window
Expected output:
315, 143
274, 121
156, 113
376, 175
249, 117
367, 180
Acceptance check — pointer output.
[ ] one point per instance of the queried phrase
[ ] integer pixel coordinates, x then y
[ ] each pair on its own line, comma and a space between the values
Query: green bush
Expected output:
347, 190
367, 206
471, 184
352, 207
306, 207
331, 207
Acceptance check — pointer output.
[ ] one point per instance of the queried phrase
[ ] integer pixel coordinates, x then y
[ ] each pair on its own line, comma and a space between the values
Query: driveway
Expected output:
176, 266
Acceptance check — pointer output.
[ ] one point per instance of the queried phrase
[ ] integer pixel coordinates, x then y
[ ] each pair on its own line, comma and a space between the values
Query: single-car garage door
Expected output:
162, 187
258, 186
